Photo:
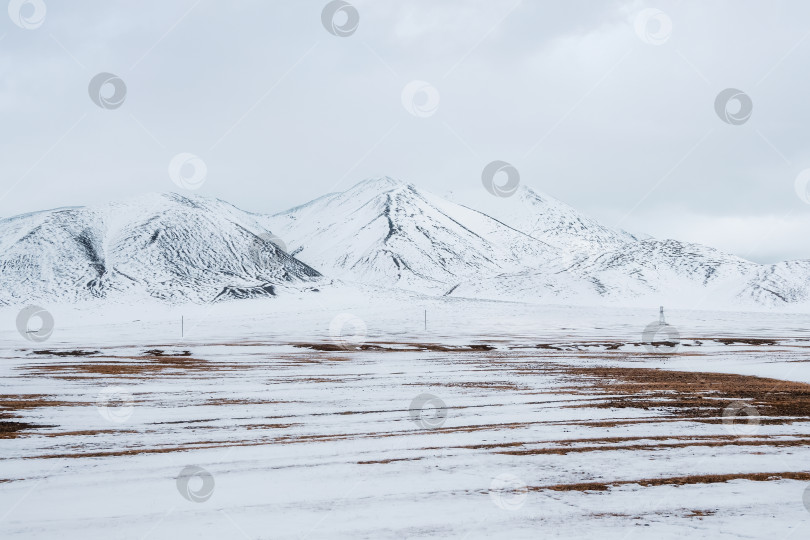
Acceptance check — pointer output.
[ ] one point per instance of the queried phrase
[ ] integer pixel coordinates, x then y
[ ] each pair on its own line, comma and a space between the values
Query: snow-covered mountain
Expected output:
668, 272
389, 233
168, 247
382, 233
529, 247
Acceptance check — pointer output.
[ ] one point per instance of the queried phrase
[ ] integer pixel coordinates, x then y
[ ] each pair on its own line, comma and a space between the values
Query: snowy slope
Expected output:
778, 284
389, 233
547, 219
639, 272
168, 247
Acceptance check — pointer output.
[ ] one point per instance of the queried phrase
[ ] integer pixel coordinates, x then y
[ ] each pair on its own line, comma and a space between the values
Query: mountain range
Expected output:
381, 233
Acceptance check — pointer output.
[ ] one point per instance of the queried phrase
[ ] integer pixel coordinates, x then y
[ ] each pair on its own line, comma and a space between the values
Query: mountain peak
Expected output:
379, 184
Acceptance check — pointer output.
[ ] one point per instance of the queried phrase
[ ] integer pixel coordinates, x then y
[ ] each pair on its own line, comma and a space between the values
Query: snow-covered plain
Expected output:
304, 435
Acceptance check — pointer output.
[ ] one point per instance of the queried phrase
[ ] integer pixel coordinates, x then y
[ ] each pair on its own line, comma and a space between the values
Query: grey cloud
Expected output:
280, 110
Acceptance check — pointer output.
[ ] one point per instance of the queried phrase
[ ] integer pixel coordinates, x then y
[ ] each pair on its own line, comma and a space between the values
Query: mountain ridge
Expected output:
381, 232
164, 246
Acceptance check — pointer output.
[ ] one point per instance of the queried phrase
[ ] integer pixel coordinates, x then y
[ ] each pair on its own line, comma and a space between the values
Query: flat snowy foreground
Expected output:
498, 421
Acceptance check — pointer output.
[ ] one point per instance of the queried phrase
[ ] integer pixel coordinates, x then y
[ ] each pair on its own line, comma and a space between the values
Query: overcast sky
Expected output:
593, 107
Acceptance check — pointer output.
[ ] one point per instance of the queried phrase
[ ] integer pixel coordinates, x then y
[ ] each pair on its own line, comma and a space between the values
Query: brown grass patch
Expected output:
696, 395
676, 481
393, 347
269, 426
582, 345
87, 432
162, 353
50, 352
491, 385
775, 443
384, 461
748, 341
10, 429
700, 513
601, 515
141, 451
19, 402
238, 401
11, 403
129, 367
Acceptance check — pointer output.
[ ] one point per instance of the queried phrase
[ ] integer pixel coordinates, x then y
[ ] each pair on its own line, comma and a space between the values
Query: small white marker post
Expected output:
182, 326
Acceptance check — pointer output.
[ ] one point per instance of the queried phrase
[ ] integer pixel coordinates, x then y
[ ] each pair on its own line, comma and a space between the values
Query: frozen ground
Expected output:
540, 421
